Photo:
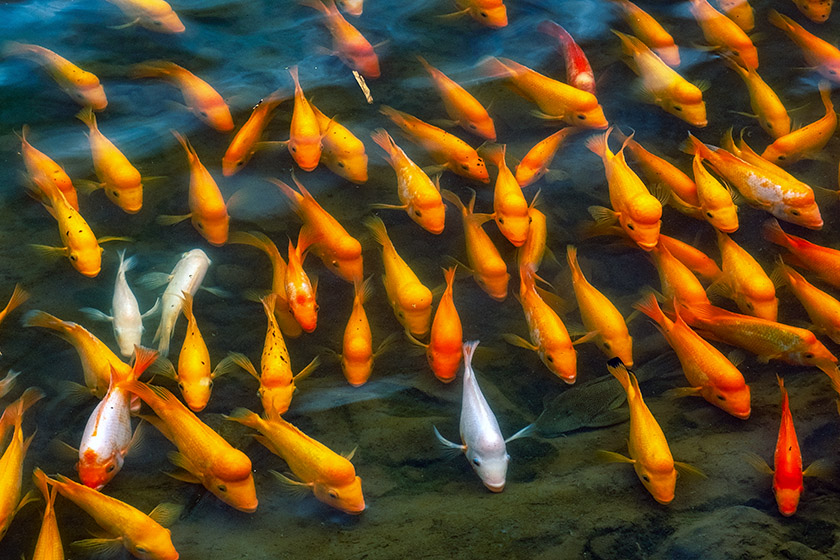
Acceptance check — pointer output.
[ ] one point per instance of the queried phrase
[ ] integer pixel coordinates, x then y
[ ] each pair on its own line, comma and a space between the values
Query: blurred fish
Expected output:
820, 54
18, 297
481, 438
44, 172
144, 536
740, 12
824, 261
349, 44
491, 13
822, 308
578, 70
154, 15
199, 96
817, 11
536, 162
48, 546
330, 476
807, 141
768, 108
127, 320
341, 151
205, 457
651, 33
723, 33
246, 140
352, 7
8, 382
79, 84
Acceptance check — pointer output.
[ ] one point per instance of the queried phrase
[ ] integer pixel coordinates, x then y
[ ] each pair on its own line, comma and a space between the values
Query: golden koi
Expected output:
300, 291
154, 15
806, 141
771, 113
341, 151
44, 172
349, 45
722, 32
304, 134
650, 31
815, 10
48, 545
659, 170
820, 54
357, 353
536, 162
715, 199
822, 309
443, 351
824, 261
696, 260
740, 12
510, 209
676, 279
744, 281
491, 13
245, 141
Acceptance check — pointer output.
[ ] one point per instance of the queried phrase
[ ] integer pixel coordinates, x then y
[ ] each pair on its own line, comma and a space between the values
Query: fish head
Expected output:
363, 60
153, 542
561, 359
239, 493
87, 261
588, 118
196, 393
430, 217
444, 364
660, 482
807, 215
93, 96
129, 199
490, 463
357, 361
816, 354
724, 218
617, 347
763, 308
352, 7
232, 164
483, 127
305, 310
817, 12
491, 14
527, 175
787, 499
670, 54
470, 165
734, 400
306, 154
494, 283
167, 21
276, 399
830, 69
645, 235
414, 308
214, 230
347, 498
217, 115
353, 168
515, 225
95, 471
777, 153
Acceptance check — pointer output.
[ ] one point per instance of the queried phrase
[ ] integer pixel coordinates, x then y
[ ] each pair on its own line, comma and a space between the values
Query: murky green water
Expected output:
559, 502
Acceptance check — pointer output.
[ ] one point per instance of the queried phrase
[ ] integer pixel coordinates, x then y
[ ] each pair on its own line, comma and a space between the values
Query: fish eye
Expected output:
73, 257
472, 126
465, 167
631, 227
721, 398
530, 219
203, 113
141, 550
317, 307
483, 14
418, 213
333, 494
157, 23
200, 225
181, 386
749, 306
809, 355
294, 149
116, 194
677, 108
341, 165
111, 467
477, 462
782, 158
795, 212
501, 220
335, 264
550, 358
240, 163
582, 117
709, 215
607, 345
646, 478
221, 488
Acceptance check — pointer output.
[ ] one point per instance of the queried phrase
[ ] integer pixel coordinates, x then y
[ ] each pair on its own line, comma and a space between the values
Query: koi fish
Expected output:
199, 96
144, 536
154, 15
79, 84
208, 210
740, 12
352, 7
744, 281
195, 380
107, 437
715, 199
549, 337
771, 113
659, 170
97, 359
532, 252
443, 351
411, 300
710, 374
578, 70
44, 172
331, 477
11, 462
510, 209
349, 45
722, 32
815, 10
782, 195
637, 211
822, 309
481, 438
446, 149
677, 280
820, 54
490, 13
340, 252
536, 162
648, 449
18, 297
419, 195
304, 134
246, 139
600, 317
277, 383
663, 85
357, 353
121, 180
696, 260
461, 106
203, 454
487, 266
300, 291
651, 33
806, 141
127, 320
556, 100
187, 276
823, 261
48, 546
286, 321
341, 151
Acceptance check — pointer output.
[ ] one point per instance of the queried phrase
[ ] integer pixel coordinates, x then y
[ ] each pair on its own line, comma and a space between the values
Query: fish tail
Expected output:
727, 142
13, 415
275, 98
293, 196
618, 370
163, 341
469, 350
19, 295
449, 276
782, 22
255, 239
555, 30
126, 264
772, 231
14, 48
143, 358
377, 228
268, 303
383, 140
825, 95
38, 318
598, 144
492, 67
245, 417
494, 153
454, 199
398, 117
650, 307
428, 67
187, 308
293, 72
42, 483
185, 143
694, 146
154, 69
86, 116
152, 395
571, 258
785, 402
316, 4
363, 290
629, 44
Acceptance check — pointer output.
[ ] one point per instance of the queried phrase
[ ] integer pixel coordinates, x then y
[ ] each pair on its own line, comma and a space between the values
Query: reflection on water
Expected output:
558, 502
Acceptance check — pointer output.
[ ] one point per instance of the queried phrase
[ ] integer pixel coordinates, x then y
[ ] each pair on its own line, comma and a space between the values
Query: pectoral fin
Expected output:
294, 487
588, 337
100, 547
519, 341
166, 514
688, 470
49, 251
679, 392
612, 457
96, 315
171, 220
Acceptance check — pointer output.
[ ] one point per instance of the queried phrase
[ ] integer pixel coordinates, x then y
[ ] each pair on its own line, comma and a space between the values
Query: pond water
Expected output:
560, 501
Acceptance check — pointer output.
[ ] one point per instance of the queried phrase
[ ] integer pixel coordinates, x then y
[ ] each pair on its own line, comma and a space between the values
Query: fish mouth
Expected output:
495, 488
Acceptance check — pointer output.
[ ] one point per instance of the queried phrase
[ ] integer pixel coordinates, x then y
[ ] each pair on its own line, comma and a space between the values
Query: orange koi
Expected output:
696, 260
549, 337
205, 455
491, 13
246, 139
715, 199
144, 536
461, 106
447, 150
824, 261
352, 7
822, 309
411, 300
199, 96
339, 251
648, 449
277, 383
710, 374
536, 162
556, 100
444, 348
815, 10
349, 45
11, 463
488, 267
806, 141
208, 210
44, 171
740, 12
658, 170
18, 297
510, 209
304, 134
662, 84
532, 251
744, 281
285, 319
637, 211
651, 33
604, 323
578, 70
771, 113
79, 84
677, 280
154, 15
48, 546
357, 353
341, 151
420, 197
820, 54
722, 32
330, 476
300, 291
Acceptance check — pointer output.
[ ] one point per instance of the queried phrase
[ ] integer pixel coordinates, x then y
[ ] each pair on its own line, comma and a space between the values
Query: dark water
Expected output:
559, 502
